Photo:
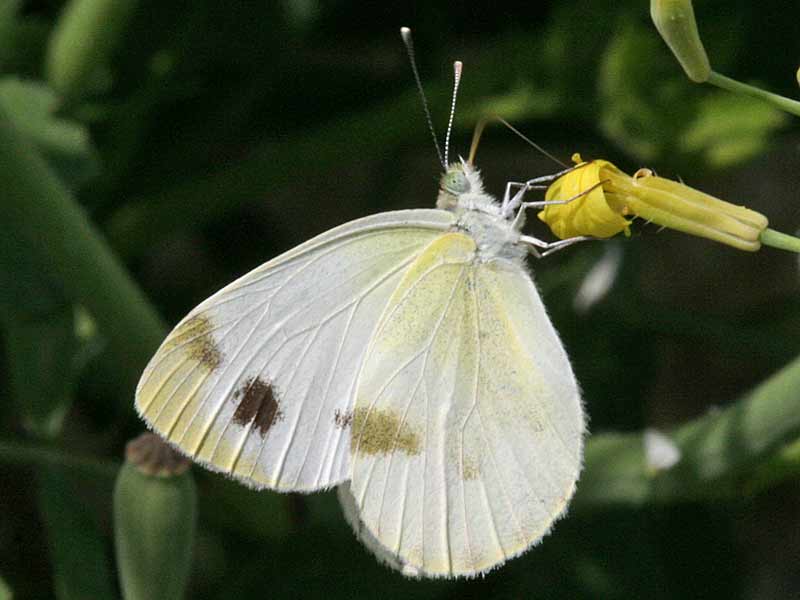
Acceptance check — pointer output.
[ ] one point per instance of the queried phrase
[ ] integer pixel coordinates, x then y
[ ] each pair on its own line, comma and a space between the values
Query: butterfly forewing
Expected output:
258, 381
467, 429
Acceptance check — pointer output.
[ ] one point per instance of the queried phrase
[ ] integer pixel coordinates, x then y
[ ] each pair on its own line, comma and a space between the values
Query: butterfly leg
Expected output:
511, 203
540, 248
519, 220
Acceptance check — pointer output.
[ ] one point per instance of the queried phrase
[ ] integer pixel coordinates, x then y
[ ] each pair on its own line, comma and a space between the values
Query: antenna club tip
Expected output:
405, 32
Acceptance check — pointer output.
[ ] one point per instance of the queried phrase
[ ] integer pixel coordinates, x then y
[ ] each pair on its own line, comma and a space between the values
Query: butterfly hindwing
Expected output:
258, 381
467, 429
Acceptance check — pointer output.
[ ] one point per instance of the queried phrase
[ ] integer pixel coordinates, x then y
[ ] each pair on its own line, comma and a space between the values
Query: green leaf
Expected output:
64, 144
8, 21
39, 339
731, 128
644, 99
36, 201
24, 453
721, 452
40, 365
47, 341
653, 112
22, 39
26, 290
522, 101
77, 548
5, 590
83, 44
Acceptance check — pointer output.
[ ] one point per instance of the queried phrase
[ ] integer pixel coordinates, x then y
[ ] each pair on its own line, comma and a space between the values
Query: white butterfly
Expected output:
405, 357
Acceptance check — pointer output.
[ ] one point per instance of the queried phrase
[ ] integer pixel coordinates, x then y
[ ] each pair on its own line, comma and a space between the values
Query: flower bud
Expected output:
675, 21
155, 508
604, 198
589, 214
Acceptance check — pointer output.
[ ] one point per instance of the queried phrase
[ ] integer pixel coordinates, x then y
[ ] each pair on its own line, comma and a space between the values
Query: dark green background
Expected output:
221, 134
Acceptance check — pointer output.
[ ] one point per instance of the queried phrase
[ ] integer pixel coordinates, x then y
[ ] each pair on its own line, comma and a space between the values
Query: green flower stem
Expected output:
724, 453
36, 206
776, 239
39, 455
786, 104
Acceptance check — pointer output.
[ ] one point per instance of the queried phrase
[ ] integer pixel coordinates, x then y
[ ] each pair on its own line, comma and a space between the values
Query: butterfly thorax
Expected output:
479, 215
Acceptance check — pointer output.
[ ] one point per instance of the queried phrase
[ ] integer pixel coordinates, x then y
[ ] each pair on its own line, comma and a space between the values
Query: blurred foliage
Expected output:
200, 138
729, 129
77, 548
63, 142
717, 128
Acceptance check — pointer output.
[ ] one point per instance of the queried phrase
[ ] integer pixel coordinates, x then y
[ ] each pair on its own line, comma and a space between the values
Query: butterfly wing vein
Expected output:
258, 381
468, 429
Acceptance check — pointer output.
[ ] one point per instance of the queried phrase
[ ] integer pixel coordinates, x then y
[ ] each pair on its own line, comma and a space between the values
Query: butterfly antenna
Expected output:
457, 67
530, 141
405, 33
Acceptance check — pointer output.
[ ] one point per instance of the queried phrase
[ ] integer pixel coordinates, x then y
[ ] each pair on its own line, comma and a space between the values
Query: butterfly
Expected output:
405, 357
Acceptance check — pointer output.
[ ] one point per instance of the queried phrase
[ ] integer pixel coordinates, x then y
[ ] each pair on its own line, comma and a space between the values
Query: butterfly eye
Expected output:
455, 182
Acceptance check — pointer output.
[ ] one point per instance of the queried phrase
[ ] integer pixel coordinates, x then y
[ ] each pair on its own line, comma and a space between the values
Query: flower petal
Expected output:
588, 214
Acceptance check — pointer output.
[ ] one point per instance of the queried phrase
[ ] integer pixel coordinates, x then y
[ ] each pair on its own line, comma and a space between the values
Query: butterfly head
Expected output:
461, 179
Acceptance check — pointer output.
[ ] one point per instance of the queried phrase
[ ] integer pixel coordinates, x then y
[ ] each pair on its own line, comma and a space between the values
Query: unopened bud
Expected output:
155, 508
675, 21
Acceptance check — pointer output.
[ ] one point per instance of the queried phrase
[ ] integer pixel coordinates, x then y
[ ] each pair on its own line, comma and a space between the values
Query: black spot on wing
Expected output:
195, 335
342, 419
258, 404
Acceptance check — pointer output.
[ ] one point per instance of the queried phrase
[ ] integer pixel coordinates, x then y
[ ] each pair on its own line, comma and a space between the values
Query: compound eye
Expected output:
455, 182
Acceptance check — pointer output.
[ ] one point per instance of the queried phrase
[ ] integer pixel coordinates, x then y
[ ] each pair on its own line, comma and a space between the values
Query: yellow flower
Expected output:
602, 212
589, 214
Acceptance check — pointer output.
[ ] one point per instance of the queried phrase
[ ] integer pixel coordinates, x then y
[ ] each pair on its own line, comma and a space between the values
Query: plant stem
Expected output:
37, 207
776, 239
786, 104
21, 453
